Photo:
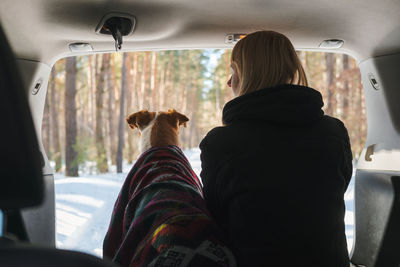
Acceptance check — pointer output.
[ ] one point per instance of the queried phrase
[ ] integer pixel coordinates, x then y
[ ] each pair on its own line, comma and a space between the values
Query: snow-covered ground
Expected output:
84, 206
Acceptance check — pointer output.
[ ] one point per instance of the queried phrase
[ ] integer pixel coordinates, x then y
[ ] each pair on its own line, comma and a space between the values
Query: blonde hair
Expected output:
266, 59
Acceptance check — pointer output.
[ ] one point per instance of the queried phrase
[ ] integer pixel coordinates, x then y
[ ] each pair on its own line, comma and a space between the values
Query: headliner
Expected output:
41, 30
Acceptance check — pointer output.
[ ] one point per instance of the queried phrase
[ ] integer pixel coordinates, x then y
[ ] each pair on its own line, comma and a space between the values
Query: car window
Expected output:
91, 155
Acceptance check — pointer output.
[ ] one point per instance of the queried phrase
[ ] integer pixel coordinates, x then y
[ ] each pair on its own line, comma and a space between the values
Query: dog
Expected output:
157, 129
160, 217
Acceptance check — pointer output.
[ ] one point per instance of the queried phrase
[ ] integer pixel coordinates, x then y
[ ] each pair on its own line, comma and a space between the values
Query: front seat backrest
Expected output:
21, 180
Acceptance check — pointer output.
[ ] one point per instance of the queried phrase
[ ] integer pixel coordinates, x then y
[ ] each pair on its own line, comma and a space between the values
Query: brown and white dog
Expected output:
157, 129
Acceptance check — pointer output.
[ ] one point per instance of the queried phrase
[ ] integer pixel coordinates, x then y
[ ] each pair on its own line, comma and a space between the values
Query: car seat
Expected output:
21, 180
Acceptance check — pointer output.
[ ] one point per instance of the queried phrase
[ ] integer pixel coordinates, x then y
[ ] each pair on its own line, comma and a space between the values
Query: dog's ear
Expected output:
140, 119
178, 117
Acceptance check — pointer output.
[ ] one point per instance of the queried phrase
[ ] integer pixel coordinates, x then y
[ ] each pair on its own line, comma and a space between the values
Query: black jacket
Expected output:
275, 176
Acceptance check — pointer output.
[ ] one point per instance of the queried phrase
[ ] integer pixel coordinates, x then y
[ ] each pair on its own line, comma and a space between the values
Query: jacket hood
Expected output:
287, 104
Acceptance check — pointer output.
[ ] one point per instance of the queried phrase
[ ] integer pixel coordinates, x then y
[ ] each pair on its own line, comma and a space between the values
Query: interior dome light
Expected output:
80, 47
332, 43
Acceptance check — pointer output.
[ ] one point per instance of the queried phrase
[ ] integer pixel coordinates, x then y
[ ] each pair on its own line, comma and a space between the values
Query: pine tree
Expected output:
56, 152
101, 158
330, 83
121, 122
70, 118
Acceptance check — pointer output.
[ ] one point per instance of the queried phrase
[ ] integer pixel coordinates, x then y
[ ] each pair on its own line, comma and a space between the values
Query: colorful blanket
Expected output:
160, 217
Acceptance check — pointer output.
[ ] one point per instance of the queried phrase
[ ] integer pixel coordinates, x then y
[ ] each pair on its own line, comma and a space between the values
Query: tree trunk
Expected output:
92, 89
345, 93
121, 122
153, 80
161, 90
144, 80
101, 159
163, 86
229, 92
330, 69
195, 85
111, 115
133, 104
184, 81
129, 109
46, 127
135, 81
56, 155
70, 118
169, 80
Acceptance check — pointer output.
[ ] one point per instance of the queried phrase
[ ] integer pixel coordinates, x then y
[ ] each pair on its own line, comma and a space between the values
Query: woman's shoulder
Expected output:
217, 131
214, 136
222, 140
334, 123
336, 127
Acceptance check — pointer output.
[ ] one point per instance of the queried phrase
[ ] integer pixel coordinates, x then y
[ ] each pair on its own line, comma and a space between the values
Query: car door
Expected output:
377, 180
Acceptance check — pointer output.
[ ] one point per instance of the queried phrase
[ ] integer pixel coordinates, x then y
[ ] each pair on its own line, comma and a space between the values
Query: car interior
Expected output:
36, 33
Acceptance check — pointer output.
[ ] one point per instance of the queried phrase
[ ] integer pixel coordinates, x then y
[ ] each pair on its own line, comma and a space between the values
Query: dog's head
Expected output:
157, 129
140, 119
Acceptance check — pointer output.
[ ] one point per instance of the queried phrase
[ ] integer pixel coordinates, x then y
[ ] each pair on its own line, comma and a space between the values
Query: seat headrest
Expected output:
21, 180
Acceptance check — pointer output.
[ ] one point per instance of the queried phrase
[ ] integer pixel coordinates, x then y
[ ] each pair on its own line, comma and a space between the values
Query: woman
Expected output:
275, 174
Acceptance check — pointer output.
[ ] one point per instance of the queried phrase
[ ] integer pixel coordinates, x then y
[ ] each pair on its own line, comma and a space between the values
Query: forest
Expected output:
89, 97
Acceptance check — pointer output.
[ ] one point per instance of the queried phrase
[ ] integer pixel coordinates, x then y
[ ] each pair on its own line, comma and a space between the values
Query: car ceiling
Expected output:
41, 30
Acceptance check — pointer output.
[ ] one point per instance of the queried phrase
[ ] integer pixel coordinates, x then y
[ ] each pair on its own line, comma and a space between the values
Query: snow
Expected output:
83, 210
84, 206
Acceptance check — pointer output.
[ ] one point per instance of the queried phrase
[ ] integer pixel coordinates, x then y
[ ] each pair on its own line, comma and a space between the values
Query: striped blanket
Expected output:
160, 217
